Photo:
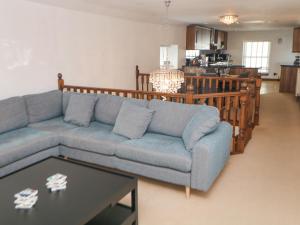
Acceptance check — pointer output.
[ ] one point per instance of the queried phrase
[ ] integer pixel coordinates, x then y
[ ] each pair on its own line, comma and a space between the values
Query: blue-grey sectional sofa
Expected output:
32, 128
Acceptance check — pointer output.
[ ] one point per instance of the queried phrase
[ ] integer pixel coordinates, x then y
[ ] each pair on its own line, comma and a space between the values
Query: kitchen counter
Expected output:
220, 69
217, 66
297, 66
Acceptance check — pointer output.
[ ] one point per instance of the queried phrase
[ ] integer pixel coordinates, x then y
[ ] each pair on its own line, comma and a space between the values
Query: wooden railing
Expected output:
234, 107
212, 84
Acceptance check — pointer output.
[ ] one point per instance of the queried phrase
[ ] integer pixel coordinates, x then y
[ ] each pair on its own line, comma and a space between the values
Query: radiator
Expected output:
298, 83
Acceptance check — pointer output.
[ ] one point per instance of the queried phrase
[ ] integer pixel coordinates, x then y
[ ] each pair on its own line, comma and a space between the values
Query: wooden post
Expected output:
189, 93
241, 142
257, 101
60, 82
137, 73
252, 92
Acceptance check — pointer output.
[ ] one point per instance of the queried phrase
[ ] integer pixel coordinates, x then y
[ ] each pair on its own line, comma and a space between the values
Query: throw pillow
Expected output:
202, 123
80, 110
132, 120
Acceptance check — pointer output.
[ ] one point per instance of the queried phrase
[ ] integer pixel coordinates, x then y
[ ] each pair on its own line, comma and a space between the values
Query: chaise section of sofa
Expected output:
21, 145
39, 131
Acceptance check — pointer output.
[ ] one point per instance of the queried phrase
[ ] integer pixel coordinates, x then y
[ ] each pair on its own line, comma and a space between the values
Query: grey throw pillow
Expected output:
80, 110
205, 121
132, 120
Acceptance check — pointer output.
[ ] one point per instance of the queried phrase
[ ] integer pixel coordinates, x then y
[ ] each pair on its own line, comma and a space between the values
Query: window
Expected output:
170, 53
257, 54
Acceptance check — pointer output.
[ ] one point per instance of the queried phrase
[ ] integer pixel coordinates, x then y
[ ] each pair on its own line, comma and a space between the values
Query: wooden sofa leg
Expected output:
187, 192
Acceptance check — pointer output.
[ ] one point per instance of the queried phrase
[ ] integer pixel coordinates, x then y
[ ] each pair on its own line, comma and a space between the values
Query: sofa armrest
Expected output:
209, 156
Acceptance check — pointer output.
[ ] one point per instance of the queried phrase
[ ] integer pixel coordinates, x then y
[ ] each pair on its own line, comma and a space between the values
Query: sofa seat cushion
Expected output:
157, 150
56, 125
96, 138
19, 144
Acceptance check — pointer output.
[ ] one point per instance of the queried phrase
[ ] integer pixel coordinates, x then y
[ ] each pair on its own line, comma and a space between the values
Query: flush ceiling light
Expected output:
229, 19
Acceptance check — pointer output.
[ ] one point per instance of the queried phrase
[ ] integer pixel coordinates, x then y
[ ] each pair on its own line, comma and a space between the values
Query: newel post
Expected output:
189, 94
257, 101
61, 82
243, 118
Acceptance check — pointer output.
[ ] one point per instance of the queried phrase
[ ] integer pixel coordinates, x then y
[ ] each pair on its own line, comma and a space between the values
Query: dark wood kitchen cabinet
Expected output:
288, 78
296, 40
198, 38
221, 39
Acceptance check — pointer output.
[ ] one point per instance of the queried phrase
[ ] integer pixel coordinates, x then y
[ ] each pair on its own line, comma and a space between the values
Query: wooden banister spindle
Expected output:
143, 81
137, 73
147, 82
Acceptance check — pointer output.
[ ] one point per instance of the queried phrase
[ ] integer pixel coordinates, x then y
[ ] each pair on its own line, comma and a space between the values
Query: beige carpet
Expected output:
260, 187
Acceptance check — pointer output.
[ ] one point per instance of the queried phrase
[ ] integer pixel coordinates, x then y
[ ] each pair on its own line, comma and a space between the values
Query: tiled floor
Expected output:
260, 187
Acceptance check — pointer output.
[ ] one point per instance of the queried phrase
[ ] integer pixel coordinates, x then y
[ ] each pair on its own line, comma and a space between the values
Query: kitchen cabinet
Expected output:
221, 39
288, 78
198, 38
296, 40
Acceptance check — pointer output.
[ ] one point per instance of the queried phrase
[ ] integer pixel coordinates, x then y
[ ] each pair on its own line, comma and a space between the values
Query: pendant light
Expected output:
167, 79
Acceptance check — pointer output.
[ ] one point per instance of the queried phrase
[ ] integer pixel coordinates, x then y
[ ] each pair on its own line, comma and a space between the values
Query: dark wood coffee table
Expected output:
91, 198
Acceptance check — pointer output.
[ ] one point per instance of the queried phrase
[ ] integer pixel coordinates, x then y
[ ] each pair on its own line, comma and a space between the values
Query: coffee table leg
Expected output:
134, 205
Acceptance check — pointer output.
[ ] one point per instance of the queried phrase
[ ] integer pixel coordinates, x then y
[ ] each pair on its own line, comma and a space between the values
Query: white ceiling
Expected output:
254, 14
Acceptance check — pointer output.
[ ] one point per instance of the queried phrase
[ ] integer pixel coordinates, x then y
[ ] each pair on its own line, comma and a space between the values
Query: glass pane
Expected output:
247, 62
264, 62
259, 62
253, 62
266, 46
260, 47
254, 49
248, 48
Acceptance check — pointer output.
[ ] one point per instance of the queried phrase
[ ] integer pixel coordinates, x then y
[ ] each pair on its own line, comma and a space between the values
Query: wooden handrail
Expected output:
234, 107
212, 84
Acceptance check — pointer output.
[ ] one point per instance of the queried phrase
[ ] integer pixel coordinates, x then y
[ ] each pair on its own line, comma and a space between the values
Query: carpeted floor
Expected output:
260, 187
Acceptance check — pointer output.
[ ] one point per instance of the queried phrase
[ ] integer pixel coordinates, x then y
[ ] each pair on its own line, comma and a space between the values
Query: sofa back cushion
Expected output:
44, 106
13, 114
205, 121
170, 118
108, 107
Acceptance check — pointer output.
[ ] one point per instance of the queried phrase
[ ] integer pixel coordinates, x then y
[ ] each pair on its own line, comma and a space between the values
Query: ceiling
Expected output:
254, 14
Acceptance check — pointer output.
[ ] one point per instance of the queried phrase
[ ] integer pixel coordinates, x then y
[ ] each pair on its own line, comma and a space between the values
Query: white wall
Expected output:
281, 53
38, 41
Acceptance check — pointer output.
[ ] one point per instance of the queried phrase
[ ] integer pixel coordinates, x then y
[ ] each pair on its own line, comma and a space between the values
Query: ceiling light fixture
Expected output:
229, 19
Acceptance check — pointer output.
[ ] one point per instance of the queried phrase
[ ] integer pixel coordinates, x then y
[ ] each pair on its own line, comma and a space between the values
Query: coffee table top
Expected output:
89, 191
